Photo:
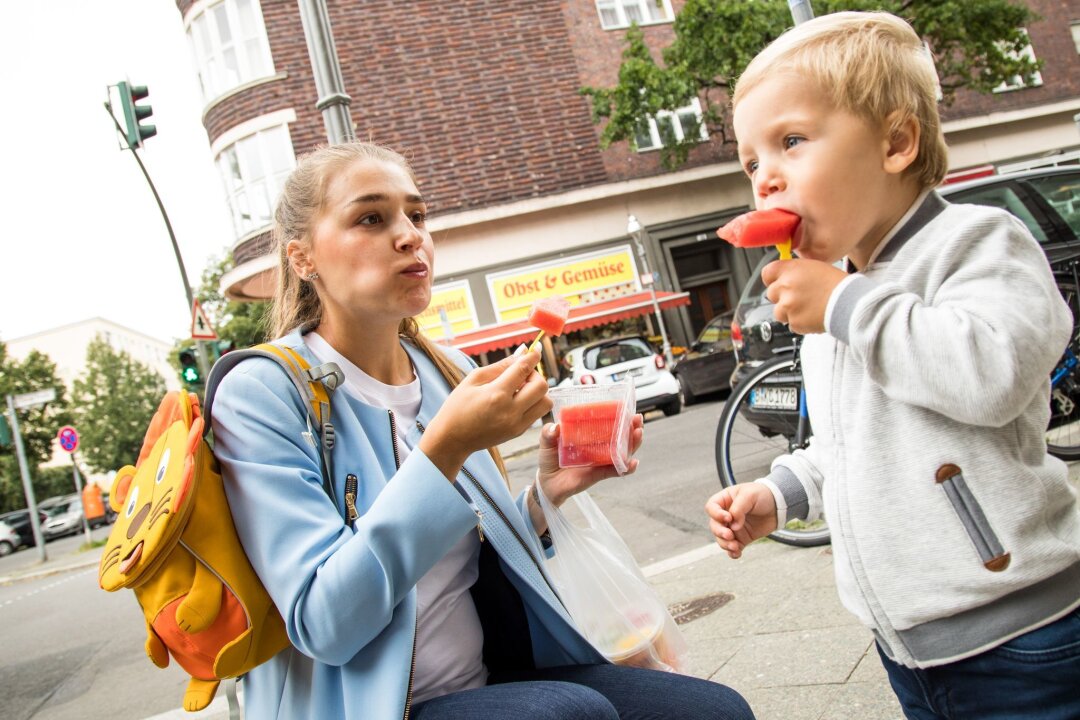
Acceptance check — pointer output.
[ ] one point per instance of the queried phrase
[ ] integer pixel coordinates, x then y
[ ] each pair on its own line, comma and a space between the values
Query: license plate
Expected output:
774, 398
633, 372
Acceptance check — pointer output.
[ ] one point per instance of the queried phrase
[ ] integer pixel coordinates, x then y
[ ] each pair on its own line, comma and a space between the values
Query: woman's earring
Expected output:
312, 277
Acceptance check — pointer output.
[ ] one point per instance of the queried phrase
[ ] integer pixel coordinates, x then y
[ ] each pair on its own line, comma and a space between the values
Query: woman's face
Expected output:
370, 245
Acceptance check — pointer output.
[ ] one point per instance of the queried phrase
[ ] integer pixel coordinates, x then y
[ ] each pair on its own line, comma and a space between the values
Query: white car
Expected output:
9, 539
612, 360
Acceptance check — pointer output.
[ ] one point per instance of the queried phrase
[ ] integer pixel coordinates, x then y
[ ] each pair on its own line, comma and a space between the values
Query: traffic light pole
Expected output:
204, 366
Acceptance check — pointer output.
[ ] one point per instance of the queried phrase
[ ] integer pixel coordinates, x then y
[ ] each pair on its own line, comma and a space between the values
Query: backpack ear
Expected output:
121, 485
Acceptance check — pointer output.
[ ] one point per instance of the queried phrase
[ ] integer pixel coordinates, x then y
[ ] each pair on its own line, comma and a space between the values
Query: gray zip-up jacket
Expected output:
953, 531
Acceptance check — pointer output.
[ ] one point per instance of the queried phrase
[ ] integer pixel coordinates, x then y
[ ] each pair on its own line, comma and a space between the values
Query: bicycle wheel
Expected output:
1063, 431
760, 422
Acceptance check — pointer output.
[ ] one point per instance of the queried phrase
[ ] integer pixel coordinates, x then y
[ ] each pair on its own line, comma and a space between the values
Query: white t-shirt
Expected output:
449, 638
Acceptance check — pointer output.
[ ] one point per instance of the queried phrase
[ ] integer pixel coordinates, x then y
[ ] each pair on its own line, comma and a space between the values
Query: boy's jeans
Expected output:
1036, 675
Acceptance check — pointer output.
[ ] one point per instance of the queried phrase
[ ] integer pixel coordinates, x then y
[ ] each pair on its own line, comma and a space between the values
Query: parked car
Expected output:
709, 361
19, 521
65, 516
9, 539
1047, 201
614, 359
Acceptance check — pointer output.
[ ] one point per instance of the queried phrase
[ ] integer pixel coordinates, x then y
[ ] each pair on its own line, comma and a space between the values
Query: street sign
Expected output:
200, 324
69, 439
28, 400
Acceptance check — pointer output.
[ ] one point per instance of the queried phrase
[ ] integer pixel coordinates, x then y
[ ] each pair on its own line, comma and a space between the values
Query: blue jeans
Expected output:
1036, 675
589, 692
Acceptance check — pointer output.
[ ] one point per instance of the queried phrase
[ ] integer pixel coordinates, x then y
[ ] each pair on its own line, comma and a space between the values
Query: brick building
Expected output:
483, 98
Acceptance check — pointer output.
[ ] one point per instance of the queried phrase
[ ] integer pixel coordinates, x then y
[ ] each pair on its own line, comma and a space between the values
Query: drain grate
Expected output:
691, 610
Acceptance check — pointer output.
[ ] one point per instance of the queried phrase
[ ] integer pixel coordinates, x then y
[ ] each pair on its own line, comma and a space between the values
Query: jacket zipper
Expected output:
352, 487
506, 521
416, 620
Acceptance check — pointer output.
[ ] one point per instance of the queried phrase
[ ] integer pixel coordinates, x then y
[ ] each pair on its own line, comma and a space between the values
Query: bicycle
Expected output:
765, 415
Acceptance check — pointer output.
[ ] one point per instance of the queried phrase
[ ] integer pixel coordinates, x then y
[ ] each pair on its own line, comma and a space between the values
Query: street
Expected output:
70, 650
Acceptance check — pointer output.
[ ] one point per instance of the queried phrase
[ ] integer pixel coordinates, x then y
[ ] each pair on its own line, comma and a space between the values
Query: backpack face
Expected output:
154, 499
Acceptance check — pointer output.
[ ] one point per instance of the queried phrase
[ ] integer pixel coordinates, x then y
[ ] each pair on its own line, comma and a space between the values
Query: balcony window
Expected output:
229, 41
254, 169
667, 128
615, 14
1075, 29
1018, 82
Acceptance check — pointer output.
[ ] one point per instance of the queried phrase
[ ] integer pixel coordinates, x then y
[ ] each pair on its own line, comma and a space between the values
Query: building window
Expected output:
254, 169
667, 128
1018, 82
230, 46
1075, 28
615, 14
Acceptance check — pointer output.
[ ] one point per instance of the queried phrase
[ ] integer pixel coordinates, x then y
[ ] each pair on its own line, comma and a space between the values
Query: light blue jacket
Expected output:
348, 594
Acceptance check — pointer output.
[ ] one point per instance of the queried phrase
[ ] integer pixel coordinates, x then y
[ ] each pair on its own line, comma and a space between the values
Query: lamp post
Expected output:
634, 230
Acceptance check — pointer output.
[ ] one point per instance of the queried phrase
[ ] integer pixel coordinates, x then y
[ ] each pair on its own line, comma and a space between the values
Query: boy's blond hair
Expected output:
871, 64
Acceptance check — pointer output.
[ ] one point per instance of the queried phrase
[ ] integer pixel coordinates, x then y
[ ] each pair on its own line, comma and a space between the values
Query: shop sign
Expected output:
455, 302
580, 279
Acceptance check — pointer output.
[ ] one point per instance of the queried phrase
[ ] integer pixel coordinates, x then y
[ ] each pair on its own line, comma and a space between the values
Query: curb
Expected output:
46, 571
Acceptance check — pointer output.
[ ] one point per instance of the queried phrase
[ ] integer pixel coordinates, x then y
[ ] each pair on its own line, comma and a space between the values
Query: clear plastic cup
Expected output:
594, 424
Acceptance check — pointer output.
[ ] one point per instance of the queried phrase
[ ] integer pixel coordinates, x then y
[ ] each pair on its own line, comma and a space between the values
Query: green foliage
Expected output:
37, 426
52, 481
116, 396
243, 323
974, 43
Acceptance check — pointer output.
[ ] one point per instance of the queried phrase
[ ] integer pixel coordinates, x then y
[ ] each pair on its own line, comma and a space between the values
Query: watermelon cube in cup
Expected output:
594, 424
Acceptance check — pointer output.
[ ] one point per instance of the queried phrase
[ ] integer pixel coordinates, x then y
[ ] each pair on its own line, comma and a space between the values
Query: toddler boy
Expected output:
926, 363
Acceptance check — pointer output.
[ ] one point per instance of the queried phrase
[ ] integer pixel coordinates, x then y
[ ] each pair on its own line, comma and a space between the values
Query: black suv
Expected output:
1046, 200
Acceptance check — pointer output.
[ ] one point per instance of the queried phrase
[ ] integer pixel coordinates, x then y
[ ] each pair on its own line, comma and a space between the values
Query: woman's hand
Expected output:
490, 406
558, 484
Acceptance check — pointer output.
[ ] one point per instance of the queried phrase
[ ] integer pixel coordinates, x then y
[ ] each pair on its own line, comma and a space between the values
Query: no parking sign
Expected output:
69, 439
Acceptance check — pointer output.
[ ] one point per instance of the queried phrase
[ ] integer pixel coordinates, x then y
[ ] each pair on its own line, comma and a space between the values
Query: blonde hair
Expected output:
871, 64
295, 302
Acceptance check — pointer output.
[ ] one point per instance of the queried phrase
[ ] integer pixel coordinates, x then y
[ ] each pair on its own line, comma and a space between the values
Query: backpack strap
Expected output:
314, 385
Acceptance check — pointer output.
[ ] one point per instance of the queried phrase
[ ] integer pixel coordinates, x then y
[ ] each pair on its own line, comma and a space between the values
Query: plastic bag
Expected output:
606, 594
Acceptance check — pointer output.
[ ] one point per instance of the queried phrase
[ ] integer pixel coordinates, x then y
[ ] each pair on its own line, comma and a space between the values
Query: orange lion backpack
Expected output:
174, 543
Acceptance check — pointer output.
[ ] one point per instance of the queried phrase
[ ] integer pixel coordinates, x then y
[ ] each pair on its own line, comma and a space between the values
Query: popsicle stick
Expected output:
785, 250
534, 343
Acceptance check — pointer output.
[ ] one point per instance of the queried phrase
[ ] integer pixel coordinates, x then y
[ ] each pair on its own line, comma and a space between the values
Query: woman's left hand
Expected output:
558, 483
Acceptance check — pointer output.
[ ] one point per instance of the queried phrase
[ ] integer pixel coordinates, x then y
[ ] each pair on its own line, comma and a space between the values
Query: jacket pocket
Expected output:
991, 553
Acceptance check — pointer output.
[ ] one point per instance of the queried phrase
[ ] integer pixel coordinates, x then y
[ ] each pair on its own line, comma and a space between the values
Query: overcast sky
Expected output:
82, 235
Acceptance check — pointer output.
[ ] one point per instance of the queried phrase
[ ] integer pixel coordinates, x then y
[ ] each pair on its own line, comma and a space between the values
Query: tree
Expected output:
975, 44
116, 396
37, 426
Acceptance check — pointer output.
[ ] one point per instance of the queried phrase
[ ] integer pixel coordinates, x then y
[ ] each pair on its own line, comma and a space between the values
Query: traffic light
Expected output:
134, 114
189, 367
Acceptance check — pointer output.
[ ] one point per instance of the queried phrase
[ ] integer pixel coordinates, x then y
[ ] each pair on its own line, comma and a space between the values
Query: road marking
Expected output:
681, 560
67, 578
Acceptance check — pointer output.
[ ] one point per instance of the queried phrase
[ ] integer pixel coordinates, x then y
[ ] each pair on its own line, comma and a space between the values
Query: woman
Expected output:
432, 603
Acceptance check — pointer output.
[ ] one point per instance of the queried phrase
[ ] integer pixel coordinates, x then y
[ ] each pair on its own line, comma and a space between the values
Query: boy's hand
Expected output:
740, 515
801, 289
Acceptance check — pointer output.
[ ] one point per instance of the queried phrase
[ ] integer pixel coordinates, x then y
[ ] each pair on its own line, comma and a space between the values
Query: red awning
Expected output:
507, 334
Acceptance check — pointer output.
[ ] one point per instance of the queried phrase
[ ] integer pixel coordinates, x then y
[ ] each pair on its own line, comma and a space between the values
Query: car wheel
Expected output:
685, 393
6, 548
673, 408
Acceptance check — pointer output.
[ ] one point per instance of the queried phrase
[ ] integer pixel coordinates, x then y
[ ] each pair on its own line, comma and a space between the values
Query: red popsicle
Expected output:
586, 433
761, 228
550, 314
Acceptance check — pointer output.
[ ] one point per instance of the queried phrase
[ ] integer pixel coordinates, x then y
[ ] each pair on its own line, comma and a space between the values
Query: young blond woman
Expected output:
433, 602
